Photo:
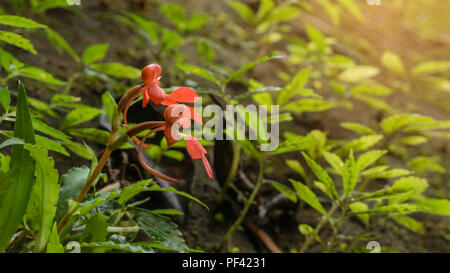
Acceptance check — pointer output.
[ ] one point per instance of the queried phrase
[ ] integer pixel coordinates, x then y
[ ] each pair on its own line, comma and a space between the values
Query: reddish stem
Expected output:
147, 167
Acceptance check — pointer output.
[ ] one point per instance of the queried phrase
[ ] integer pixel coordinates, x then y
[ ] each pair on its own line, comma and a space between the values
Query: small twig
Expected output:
136, 167
263, 236
246, 181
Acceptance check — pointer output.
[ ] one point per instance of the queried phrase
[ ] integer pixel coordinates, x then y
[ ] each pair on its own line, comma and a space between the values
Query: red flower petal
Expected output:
151, 73
156, 94
146, 98
208, 169
194, 148
197, 151
182, 94
196, 116
170, 137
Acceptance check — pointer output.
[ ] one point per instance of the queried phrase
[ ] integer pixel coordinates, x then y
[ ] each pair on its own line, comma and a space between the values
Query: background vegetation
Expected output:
364, 94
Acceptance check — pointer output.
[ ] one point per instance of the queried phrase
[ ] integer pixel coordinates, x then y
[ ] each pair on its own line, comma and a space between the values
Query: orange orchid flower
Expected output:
151, 75
177, 116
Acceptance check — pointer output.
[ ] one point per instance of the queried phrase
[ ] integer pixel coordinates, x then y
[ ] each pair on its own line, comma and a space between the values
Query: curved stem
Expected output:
231, 176
147, 167
246, 207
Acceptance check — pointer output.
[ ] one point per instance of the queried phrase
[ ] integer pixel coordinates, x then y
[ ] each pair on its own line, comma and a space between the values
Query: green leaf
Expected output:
321, 174
96, 229
309, 105
71, 184
177, 155
396, 209
60, 43
404, 186
148, 28
46, 129
42, 107
5, 160
196, 21
422, 164
65, 100
368, 158
80, 115
403, 121
316, 37
265, 7
8, 61
358, 128
160, 229
17, 40
95, 53
174, 13
376, 103
117, 70
42, 205
391, 173
198, 71
39, 74
248, 66
410, 223
49, 4
436, 206
294, 143
358, 207
78, 149
205, 50
350, 175
170, 40
296, 166
54, 244
307, 230
17, 21
123, 247
133, 190
298, 82
362, 143
358, 73
332, 11
51, 145
244, 11
41, 141
11, 141
393, 62
173, 190
168, 211
99, 199
353, 8
290, 194
334, 160
372, 89
20, 178
308, 196
413, 140
431, 67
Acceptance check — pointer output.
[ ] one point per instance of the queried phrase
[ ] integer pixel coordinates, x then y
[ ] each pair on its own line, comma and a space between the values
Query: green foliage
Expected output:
387, 170
308, 196
17, 184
